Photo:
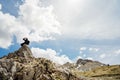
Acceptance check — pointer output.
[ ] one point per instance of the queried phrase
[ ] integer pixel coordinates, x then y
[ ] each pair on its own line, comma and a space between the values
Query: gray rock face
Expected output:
21, 65
86, 65
23, 52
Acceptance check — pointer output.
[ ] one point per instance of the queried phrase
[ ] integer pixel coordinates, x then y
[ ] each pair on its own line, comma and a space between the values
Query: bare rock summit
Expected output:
21, 65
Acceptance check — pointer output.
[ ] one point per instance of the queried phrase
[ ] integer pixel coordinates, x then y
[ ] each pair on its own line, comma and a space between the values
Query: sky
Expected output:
62, 30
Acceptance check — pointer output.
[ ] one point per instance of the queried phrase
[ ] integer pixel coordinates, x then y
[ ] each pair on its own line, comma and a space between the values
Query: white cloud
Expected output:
110, 57
102, 56
78, 57
50, 54
89, 58
6, 29
36, 22
117, 52
89, 49
83, 48
94, 49
83, 19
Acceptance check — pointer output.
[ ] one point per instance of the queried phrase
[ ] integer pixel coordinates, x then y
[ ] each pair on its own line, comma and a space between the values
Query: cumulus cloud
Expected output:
36, 22
6, 29
83, 19
51, 55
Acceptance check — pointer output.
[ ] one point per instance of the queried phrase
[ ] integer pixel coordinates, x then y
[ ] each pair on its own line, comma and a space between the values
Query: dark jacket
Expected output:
26, 41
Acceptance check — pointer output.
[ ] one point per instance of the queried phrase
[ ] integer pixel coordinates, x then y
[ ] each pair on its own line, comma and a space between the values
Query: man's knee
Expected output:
22, 44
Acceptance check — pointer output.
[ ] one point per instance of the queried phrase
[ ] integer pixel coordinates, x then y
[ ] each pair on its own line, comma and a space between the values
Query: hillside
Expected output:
21, 65
93, 70
103, 73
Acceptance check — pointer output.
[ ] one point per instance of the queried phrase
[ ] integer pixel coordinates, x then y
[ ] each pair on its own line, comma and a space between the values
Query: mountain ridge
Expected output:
22, 65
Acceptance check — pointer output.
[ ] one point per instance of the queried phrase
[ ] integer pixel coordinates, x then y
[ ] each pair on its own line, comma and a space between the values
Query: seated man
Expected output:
26, 41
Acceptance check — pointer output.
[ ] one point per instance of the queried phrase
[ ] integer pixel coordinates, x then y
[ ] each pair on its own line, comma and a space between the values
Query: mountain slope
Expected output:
86, 65
93, 70
105, 72
21, 65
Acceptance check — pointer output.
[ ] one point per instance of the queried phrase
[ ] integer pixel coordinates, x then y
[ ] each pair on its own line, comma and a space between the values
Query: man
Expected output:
26, 41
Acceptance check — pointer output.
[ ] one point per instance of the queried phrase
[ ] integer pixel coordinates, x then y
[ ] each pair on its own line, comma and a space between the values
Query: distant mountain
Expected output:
86, 65
83, 65
22, 65
92, 70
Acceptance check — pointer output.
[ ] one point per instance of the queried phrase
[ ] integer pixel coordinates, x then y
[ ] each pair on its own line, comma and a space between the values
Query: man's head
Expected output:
25, 38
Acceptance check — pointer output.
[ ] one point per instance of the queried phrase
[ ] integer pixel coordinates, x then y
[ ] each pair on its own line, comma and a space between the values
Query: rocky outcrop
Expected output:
82, 65
87, 65
21, 65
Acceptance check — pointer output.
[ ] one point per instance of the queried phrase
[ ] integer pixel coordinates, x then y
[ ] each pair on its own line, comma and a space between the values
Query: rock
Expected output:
86, 65
21, 65
24, 52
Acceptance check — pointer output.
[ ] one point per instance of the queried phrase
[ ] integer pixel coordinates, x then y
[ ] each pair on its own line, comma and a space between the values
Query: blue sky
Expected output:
62, 30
